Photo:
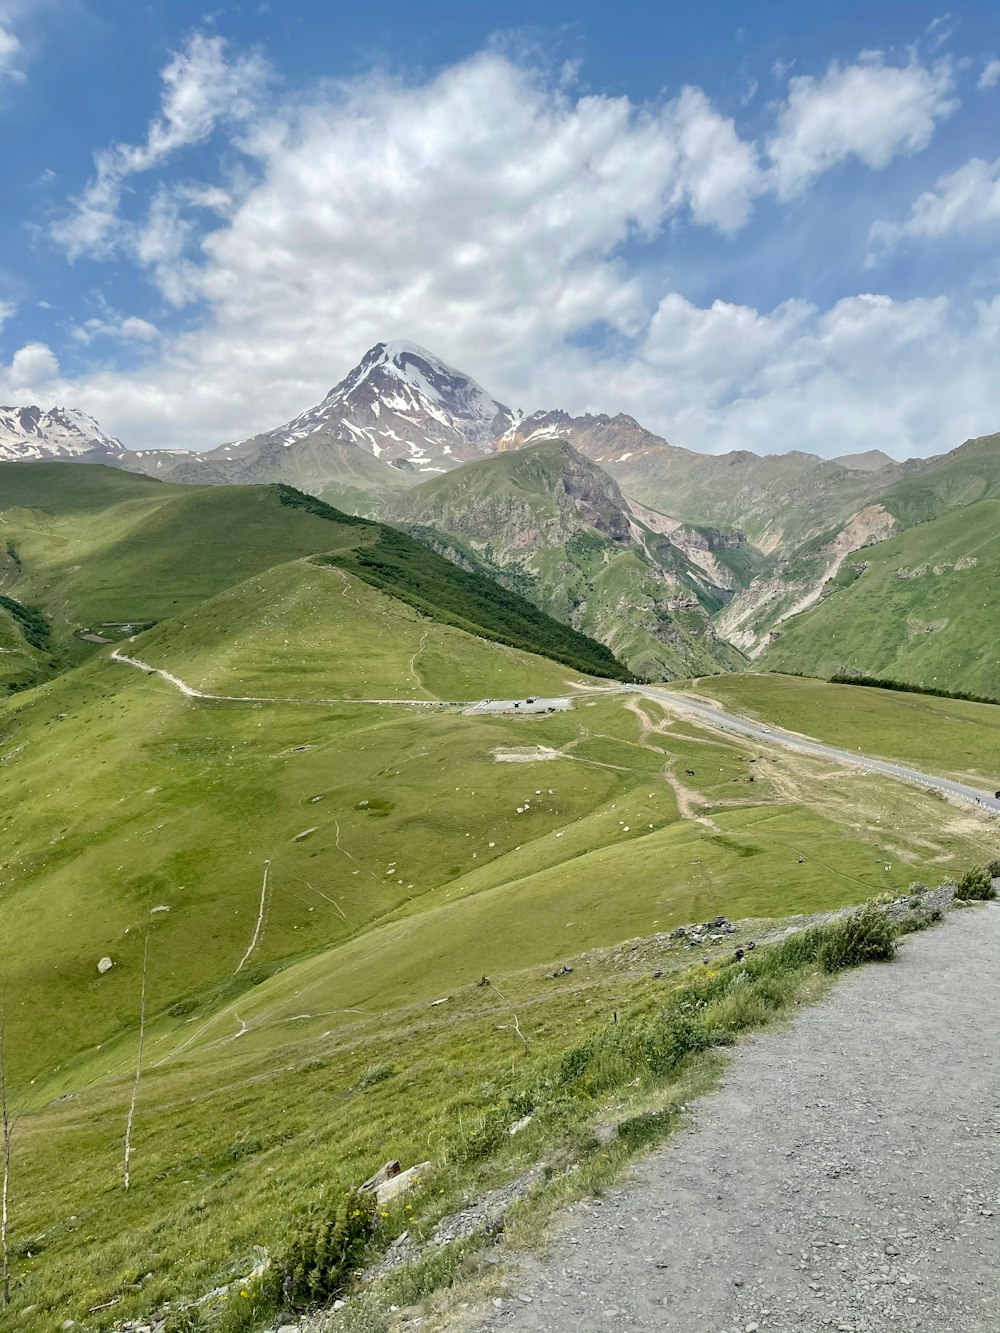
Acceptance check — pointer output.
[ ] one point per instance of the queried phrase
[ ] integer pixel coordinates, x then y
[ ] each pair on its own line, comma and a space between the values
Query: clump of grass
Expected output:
375, 1074
315, 1268
323, 1254
866, 936
976, 885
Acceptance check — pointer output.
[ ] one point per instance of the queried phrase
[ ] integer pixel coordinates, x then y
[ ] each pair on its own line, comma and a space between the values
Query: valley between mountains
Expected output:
425, 783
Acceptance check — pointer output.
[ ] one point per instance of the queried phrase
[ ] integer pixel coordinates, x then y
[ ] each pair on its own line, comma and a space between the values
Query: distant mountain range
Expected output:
681, 562
27, 434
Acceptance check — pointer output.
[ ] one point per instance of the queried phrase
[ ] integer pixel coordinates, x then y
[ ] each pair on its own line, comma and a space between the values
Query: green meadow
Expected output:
946, 736
341, 918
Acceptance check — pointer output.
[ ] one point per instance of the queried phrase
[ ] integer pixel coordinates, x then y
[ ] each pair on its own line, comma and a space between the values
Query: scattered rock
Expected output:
305, 833
518, 1125
105, 965
384, 1173
400, 1184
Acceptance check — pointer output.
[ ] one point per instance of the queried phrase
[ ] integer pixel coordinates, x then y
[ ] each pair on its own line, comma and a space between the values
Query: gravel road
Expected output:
846, 1176
789, 740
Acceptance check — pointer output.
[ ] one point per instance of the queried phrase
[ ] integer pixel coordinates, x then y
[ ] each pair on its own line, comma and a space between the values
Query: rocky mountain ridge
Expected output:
754, 542
550, 522
31, 434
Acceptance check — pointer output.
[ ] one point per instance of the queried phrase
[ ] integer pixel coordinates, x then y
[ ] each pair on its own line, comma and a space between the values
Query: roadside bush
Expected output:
487, 1133
322, 1255
993, 869
975, 886
674, 1036
863, 937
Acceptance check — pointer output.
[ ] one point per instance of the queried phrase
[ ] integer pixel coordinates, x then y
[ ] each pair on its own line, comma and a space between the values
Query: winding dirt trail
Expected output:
191, 692
845, 1177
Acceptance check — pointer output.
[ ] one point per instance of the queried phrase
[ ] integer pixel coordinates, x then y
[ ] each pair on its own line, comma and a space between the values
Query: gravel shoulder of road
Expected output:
845, 1176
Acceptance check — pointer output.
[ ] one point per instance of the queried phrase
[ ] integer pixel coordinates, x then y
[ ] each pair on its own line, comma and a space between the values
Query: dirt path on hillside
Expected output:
846, 1176
190, 692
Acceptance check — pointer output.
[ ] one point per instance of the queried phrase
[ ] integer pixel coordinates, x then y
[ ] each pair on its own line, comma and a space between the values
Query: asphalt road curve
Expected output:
768, 735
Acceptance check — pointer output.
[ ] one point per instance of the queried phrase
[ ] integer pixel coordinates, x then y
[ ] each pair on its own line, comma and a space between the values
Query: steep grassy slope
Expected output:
291, 1044
962, 477
796, 579
922, 610
549, 522
115, 551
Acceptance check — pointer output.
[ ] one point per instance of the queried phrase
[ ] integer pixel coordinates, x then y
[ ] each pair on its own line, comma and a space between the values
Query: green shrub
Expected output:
247, 1305
322, 1255
674, 1036
375, 1074
993, 869
975, 886
486, 1135
863, 937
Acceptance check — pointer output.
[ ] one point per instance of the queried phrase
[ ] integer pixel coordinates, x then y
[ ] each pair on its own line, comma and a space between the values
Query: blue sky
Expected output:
769, 227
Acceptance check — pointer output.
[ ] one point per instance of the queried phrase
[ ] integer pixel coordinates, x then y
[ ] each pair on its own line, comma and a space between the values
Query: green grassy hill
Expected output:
291, 1043
114, 550
344, 917
962, 477
952, 737
549, 522
923, 610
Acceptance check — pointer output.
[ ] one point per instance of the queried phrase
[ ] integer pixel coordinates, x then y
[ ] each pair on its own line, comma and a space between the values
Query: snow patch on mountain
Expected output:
30, 434
399, 401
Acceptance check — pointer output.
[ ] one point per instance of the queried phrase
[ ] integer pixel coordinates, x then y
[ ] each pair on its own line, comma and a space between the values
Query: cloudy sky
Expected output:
767, 226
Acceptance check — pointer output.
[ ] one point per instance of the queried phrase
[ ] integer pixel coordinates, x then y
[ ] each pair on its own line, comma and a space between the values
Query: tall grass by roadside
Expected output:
638, 1067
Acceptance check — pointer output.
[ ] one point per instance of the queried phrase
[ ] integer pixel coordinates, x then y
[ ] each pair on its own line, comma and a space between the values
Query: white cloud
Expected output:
962, 203
32, 372
990, 76
132, 329
939, 32
870, 110
719, 171
905, 376
493, 213
201, 89
10, 49
7, 311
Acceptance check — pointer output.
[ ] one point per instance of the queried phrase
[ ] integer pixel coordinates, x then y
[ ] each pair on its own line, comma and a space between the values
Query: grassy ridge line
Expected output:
406, 569
920, 609
882, 683
98, 547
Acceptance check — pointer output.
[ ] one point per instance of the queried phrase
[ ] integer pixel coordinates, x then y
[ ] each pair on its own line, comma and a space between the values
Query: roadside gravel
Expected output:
846, 1176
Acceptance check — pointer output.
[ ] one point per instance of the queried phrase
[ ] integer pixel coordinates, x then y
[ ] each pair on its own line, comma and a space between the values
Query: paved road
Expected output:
742, 726
845, 1177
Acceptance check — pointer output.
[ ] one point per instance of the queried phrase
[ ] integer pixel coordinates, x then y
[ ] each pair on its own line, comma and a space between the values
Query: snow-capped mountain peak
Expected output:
414, 382
30, 433
399, 402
